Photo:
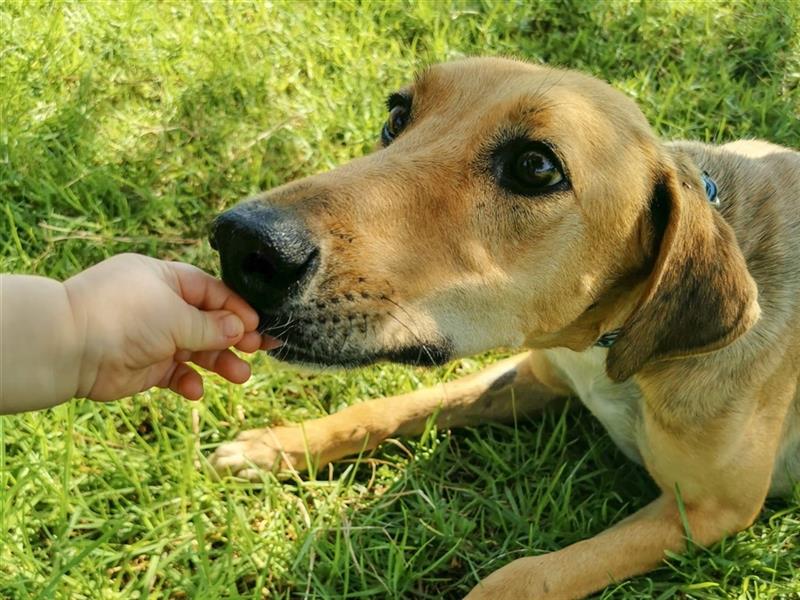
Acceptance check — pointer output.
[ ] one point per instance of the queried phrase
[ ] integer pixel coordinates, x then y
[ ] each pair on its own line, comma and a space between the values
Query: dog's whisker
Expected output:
278, 330
398, 305
423, 346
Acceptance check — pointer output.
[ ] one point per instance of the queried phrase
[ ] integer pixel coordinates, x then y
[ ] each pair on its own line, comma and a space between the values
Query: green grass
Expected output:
126, 126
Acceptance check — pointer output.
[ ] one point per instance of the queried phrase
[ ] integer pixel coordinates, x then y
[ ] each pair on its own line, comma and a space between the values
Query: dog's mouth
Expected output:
351, 328
344, 342
422, 356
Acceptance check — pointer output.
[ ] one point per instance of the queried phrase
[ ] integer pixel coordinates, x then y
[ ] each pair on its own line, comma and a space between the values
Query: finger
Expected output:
270, 343
206, 359
166, 378
205, 292
198, 330
224, 363
232, 368
186, 382
250, 342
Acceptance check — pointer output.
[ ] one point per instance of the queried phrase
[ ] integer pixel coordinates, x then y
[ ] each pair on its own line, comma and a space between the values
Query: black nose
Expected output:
266, 253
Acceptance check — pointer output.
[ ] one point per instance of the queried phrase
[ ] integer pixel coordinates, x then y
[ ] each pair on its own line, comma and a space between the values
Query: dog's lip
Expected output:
293, 354
410, 355
432, 353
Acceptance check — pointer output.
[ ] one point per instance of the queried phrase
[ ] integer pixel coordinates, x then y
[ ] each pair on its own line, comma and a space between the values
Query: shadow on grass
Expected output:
470, 501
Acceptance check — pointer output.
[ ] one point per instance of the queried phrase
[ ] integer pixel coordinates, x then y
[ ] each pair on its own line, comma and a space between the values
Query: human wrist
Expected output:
68, 347
85, 359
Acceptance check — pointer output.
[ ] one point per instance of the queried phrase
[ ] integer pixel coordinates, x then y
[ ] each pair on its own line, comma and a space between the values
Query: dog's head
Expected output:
509, 204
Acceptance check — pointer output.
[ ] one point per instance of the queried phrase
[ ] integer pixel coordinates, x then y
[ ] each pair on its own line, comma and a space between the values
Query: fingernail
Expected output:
232, 326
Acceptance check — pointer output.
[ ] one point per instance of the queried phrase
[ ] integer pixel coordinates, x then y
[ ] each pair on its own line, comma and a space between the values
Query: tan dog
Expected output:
517, 205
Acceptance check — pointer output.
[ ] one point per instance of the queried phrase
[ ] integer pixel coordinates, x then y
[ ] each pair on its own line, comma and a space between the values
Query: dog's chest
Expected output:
616, 405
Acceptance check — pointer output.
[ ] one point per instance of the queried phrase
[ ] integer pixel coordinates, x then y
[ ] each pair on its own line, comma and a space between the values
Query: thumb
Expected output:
209, 330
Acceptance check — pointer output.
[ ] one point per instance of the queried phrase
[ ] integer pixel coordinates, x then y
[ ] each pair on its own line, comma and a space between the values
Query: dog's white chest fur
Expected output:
616, 405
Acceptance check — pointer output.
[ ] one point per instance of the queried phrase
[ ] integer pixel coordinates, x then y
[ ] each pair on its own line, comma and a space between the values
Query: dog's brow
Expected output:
529, 105
421, 75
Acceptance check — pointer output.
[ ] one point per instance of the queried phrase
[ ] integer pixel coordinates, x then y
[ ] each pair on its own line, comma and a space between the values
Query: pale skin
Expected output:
118, 328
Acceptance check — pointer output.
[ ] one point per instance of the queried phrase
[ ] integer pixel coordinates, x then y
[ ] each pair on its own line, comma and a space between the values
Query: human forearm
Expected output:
40, 346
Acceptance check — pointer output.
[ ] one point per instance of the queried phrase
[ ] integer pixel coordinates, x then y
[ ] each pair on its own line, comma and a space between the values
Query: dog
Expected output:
516, 205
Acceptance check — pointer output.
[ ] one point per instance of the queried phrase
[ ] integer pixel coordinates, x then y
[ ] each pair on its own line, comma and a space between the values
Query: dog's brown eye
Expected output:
528, 167
536, 170
397, 121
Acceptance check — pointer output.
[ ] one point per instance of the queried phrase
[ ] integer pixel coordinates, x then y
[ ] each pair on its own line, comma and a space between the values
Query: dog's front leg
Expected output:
635, 545
714, 477
519, 385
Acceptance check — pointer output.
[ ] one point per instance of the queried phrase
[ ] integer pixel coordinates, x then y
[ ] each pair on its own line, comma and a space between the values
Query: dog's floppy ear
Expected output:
699, 295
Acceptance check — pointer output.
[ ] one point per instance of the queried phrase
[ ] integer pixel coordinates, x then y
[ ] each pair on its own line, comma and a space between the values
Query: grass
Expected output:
127, 125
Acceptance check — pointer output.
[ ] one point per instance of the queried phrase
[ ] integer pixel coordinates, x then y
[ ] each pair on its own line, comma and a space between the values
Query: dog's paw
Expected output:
276, 449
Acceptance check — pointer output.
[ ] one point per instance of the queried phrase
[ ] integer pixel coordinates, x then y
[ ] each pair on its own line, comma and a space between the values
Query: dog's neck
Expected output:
602, 322
607, 339
608, 313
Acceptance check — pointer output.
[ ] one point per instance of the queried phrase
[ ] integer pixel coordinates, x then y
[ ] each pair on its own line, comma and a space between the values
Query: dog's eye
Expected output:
536, 170
397, 121
527, 167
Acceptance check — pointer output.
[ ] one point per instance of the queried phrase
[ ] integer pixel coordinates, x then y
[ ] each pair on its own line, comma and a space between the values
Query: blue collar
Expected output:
607, 339
712, 193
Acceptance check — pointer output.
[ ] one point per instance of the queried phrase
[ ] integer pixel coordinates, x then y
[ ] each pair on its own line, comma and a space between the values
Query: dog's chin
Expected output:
428, 355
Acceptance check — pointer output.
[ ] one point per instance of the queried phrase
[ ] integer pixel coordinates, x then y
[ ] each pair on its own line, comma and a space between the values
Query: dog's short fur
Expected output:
425, 254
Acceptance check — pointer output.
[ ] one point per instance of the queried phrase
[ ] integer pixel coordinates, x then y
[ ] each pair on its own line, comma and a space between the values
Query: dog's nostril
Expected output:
257, 264
266, 253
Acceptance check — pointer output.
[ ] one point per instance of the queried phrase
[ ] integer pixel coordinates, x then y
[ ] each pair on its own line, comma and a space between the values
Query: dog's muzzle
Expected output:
266, 253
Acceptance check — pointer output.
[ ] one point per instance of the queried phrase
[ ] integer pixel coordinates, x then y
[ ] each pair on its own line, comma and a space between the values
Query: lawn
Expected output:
126, 126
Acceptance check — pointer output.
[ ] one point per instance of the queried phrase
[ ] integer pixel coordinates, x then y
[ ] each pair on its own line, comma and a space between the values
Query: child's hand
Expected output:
141, 320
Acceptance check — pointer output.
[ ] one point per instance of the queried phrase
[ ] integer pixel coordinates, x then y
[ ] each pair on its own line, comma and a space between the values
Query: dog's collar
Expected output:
712, 193
607, 339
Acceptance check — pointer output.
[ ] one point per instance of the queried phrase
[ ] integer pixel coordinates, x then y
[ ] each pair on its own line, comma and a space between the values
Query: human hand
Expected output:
142, 320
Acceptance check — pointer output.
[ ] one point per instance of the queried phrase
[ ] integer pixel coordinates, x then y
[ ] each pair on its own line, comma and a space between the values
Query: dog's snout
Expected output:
266, 253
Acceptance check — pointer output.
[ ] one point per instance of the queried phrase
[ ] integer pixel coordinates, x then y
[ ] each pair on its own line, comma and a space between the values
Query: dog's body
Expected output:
763, 228
518, 205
